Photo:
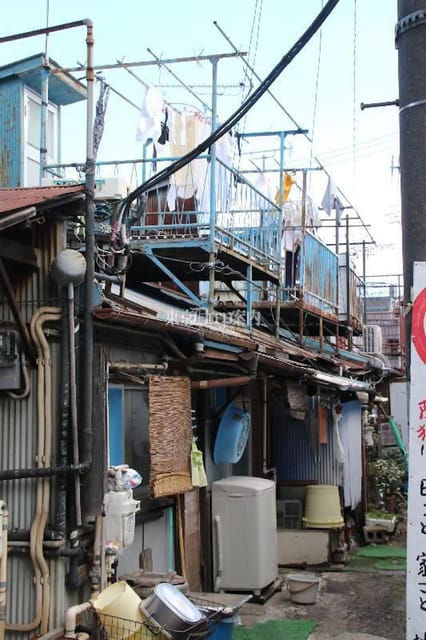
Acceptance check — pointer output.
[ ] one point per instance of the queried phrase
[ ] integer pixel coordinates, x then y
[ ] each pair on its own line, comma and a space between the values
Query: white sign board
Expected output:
416, 530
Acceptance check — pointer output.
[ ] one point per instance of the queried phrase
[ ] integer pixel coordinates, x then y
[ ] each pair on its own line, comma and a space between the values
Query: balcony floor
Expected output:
187, 258
296, 315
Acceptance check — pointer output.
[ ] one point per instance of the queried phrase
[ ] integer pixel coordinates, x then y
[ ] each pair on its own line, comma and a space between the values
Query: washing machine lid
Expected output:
243, 485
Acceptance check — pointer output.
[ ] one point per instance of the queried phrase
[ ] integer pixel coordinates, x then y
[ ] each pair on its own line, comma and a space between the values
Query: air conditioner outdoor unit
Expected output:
111, 188
372, 338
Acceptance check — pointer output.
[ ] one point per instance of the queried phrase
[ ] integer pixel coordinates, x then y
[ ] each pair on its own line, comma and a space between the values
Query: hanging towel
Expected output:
329, 197
199, 478
149, 123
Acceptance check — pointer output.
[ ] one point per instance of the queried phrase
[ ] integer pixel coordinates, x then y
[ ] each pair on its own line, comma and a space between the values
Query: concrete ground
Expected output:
349, 605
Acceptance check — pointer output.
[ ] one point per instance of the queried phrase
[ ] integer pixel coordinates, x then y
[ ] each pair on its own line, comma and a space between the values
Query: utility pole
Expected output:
410, 40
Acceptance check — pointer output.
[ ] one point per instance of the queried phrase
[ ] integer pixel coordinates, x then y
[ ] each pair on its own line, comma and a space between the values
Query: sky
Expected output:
351, 60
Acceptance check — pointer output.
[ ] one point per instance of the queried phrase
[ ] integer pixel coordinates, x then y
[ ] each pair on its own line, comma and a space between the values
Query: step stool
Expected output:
375, 534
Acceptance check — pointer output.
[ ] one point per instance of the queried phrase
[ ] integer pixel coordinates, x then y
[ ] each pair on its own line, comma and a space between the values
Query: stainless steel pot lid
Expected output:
178, 602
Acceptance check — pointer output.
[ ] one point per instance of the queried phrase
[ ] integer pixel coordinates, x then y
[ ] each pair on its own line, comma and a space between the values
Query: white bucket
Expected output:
303, 588
118, 609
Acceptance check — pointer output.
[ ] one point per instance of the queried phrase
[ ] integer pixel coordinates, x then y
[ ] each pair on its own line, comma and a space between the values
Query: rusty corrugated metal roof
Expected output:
16, 199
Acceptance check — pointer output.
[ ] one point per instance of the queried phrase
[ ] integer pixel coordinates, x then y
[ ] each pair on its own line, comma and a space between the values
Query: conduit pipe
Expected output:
3, 568
43, 459
44, 394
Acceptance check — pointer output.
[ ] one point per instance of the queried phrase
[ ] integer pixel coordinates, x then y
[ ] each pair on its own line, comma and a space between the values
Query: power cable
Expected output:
234, 118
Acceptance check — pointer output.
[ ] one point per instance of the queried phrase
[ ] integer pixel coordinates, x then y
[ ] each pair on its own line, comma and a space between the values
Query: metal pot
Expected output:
172, 612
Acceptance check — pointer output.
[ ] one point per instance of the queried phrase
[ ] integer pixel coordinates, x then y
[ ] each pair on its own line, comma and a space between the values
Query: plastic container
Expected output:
303, 588
322, 507
221, 629
388, 524
121, 601
232, 435
119, 522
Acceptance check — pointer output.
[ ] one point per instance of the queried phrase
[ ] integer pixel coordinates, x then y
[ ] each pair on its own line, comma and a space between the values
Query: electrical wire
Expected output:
306, 134
233, 119
256, 16
354, 106
314, 114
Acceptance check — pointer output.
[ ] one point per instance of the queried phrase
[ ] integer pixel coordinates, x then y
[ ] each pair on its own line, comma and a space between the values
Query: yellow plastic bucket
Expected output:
322, 507
118, 610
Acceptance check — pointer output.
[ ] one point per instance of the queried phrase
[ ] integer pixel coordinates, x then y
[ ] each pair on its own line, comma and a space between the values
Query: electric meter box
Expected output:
10, 361
120, 519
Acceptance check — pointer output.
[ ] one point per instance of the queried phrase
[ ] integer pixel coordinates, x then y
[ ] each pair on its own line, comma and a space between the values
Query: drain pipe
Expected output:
86, 428
68, 270
3, 568
71, 618
265, 469
96, 572
63, 433
238, 381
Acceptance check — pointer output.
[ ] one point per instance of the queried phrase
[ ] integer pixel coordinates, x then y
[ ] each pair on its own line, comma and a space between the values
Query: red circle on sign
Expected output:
418, 325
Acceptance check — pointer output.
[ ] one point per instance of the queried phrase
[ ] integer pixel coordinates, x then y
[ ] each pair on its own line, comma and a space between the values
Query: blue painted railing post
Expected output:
249, 296
212, 225
282, 135
43, 118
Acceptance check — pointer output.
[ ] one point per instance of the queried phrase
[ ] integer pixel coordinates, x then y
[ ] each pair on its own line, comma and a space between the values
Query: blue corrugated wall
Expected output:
11, 129
296, 452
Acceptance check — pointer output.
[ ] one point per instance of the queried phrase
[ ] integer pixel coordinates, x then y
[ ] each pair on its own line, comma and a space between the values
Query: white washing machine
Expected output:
244, 533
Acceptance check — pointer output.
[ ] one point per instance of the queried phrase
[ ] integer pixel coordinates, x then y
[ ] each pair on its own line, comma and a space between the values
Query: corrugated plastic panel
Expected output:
11, 126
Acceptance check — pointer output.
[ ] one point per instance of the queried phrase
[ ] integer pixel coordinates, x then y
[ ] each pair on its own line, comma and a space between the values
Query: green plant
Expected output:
387, 477
376, 514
